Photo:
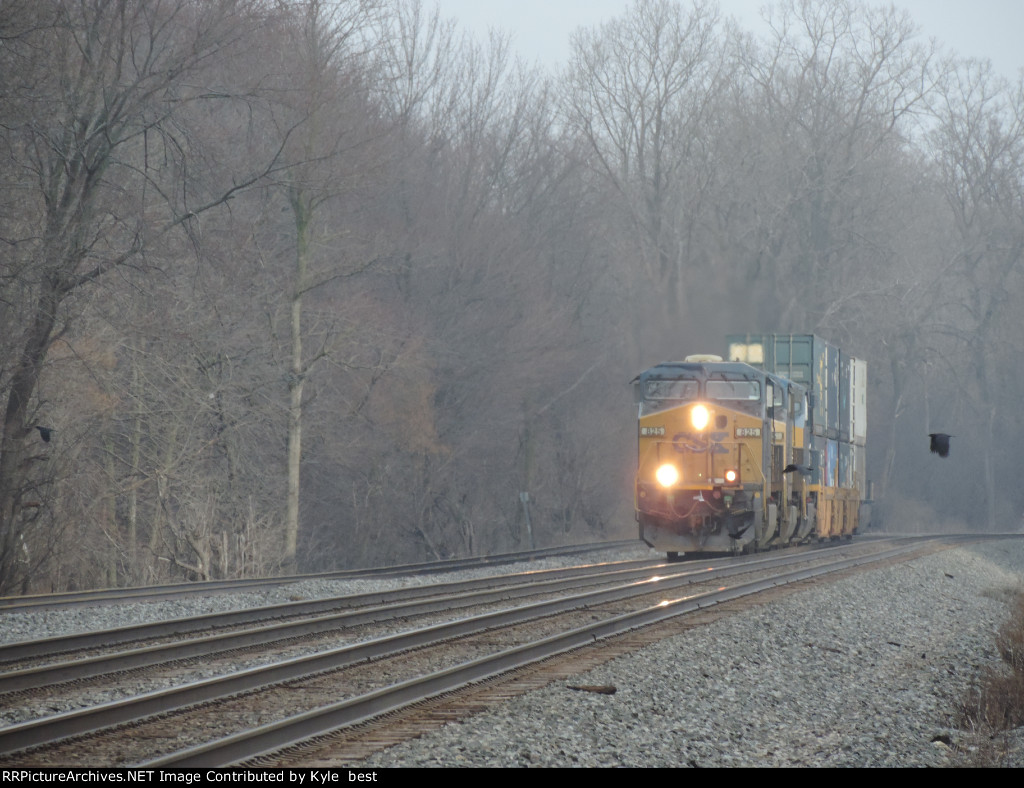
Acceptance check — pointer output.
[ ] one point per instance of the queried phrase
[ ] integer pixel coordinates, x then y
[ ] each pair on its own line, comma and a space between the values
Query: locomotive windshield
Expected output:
662, 394
734, 389
681, 390
737, 392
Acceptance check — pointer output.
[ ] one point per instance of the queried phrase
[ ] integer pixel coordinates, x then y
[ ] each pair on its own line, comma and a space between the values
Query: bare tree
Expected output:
833, 96
321, 112
979, 148
639, 89
92, 143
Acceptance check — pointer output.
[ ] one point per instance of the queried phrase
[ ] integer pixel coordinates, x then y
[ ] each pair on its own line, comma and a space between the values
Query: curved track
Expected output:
247, 713
207, 587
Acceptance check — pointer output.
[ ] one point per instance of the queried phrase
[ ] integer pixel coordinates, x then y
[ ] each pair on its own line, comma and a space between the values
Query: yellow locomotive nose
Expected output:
667, 475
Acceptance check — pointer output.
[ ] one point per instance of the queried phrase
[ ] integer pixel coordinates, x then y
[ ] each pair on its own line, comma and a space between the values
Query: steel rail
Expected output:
445, 597
60, 726
273, 737
176, 590
44, 648
48, 675
51, 648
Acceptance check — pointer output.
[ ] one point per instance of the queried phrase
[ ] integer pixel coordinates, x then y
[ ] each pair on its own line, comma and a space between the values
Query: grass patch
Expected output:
995, 704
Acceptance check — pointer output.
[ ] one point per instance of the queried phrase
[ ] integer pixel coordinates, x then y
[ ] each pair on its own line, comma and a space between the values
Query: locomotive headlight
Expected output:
699, 417
667, 475
731, 476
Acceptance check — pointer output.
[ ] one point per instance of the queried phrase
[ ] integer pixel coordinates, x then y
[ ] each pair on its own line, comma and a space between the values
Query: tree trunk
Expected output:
13, 467
296, 379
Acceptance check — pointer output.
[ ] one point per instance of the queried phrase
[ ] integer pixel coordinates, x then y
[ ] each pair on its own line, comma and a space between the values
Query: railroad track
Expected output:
245, 714
72, 659
153, 593
419, 598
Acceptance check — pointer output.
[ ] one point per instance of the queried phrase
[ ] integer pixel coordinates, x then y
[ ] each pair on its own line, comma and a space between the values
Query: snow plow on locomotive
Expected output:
763, 450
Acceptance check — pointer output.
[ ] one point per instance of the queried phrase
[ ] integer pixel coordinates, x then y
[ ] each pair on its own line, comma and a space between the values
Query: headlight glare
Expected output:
699, 417
667, 475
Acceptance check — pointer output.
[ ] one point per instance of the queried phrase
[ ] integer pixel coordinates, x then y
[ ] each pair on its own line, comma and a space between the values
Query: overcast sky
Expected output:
541, 28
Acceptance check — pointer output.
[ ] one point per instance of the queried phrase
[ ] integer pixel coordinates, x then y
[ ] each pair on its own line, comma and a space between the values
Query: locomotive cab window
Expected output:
776, 401
661, 394
748, 390
739, 393
671, 389
797, 407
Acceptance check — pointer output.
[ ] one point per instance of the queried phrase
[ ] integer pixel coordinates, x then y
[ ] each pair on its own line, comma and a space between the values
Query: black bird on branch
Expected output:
45, 433
940, 443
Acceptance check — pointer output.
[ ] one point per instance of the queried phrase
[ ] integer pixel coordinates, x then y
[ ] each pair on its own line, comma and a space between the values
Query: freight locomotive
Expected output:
763, 449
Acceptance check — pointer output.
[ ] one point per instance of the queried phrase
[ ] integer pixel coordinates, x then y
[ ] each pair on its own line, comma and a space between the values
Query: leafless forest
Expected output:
289, 285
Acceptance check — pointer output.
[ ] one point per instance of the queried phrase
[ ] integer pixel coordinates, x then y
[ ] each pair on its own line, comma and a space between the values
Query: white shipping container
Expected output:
858, 401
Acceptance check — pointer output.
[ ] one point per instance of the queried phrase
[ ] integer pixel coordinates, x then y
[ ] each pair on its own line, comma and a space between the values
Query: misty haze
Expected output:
310, 285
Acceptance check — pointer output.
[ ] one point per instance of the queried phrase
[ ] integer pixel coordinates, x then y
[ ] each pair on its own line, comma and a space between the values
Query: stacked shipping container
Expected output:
837, 383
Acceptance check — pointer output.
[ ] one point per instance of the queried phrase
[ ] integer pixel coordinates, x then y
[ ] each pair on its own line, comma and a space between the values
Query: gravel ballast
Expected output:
866, 671
17, 626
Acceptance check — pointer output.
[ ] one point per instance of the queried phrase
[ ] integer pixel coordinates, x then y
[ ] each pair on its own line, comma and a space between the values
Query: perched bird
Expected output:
804, 469
45, 433
940, 443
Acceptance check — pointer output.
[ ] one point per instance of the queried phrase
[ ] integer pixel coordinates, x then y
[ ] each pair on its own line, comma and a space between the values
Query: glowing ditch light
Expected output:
667, 475
731, 476
699, 417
